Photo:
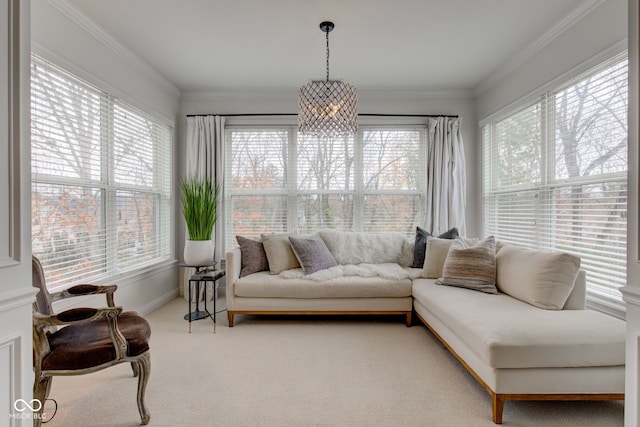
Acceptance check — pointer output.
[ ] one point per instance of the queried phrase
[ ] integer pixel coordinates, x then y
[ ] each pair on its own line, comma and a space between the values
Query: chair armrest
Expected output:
76, 315
87, 289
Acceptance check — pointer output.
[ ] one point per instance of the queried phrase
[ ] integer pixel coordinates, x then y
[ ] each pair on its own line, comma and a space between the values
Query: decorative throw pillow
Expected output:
435, 256
253, 257
472, 267
421, 244
312, 253
542, 279
279, 252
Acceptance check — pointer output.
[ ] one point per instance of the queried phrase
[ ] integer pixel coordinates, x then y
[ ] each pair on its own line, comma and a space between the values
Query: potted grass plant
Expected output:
199, 204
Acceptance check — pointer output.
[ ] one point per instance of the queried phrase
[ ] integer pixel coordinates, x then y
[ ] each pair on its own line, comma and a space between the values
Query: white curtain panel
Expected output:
205, 160
446, 192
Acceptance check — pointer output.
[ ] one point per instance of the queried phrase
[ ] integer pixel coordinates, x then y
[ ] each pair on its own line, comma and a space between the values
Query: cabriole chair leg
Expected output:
144, 370
40, 393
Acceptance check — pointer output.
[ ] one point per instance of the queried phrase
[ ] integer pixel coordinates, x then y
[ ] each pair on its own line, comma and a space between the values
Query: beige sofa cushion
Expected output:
279, 252
542, 279
435, 255
265, 285
508, 333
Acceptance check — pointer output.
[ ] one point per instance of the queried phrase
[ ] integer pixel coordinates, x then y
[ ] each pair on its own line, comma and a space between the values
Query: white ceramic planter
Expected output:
198, 252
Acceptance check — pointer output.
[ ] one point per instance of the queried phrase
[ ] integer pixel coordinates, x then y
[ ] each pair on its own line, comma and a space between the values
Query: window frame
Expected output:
292, 192
161, 134
549, 184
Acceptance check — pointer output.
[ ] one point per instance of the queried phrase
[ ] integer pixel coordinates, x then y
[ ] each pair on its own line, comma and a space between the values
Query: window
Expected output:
101, 176
281, 181
555, 177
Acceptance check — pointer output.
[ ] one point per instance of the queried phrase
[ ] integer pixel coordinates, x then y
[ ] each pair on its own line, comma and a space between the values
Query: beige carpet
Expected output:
301, 371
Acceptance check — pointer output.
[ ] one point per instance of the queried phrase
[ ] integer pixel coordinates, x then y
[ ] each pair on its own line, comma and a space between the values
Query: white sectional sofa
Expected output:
527, 336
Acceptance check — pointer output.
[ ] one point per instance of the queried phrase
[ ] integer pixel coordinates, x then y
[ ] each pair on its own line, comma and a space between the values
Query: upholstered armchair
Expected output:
84, 340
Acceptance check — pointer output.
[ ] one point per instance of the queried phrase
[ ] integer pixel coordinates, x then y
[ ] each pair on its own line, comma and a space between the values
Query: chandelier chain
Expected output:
327, 55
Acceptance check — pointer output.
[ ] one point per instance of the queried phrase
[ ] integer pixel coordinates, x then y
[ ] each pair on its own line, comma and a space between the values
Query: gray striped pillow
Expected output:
471, 266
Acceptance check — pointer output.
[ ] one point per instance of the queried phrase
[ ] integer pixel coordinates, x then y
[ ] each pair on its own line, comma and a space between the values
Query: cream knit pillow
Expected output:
435, 255
279, 252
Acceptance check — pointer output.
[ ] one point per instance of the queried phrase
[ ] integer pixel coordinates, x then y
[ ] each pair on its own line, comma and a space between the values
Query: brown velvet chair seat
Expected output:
80, 346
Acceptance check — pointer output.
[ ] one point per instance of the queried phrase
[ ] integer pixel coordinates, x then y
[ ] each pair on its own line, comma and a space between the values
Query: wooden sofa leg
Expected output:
408, 318
230, 318
497, 405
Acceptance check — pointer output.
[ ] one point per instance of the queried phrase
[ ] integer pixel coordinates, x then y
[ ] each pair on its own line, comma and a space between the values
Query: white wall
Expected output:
65, 38
448, 103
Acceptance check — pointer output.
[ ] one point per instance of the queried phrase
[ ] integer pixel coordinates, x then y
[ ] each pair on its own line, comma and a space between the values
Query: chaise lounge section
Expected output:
520, 352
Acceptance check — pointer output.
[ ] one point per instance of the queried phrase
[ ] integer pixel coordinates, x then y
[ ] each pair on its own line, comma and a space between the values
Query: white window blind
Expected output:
282, 181
555, 177
101, 175
393, 179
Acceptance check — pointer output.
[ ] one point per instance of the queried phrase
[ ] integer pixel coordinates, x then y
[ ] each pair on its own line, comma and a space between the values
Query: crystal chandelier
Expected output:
327, 107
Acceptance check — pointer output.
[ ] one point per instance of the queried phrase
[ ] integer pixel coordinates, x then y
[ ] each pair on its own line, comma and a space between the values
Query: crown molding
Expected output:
512, 64
80, 72
414, 94
80, 19
287, 94
204, 95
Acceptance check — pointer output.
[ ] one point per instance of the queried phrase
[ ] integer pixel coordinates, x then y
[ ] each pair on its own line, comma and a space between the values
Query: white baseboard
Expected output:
158, 302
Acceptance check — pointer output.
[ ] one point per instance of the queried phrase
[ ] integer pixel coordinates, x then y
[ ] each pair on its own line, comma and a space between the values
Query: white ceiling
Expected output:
261, 45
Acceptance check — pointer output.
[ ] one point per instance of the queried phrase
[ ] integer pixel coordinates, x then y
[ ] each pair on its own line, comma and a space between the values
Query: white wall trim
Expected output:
512, 64
131, 278
123, 280
115, 46
414, 94
216, 96
293, 94
17, 298
11, 356
83, 74
631, 295
158, 302
533, 95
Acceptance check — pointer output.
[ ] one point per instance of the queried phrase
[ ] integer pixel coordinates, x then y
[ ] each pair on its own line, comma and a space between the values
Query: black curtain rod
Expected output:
292, 114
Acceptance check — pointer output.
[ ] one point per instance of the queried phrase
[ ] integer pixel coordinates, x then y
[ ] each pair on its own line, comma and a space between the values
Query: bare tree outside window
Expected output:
373, 181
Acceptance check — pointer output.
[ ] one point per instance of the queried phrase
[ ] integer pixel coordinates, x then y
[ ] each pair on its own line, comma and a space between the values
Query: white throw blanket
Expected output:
389, 271
348, 247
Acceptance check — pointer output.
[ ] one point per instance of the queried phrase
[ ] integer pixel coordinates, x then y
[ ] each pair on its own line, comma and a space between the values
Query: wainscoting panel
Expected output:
9, 354
16, 370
